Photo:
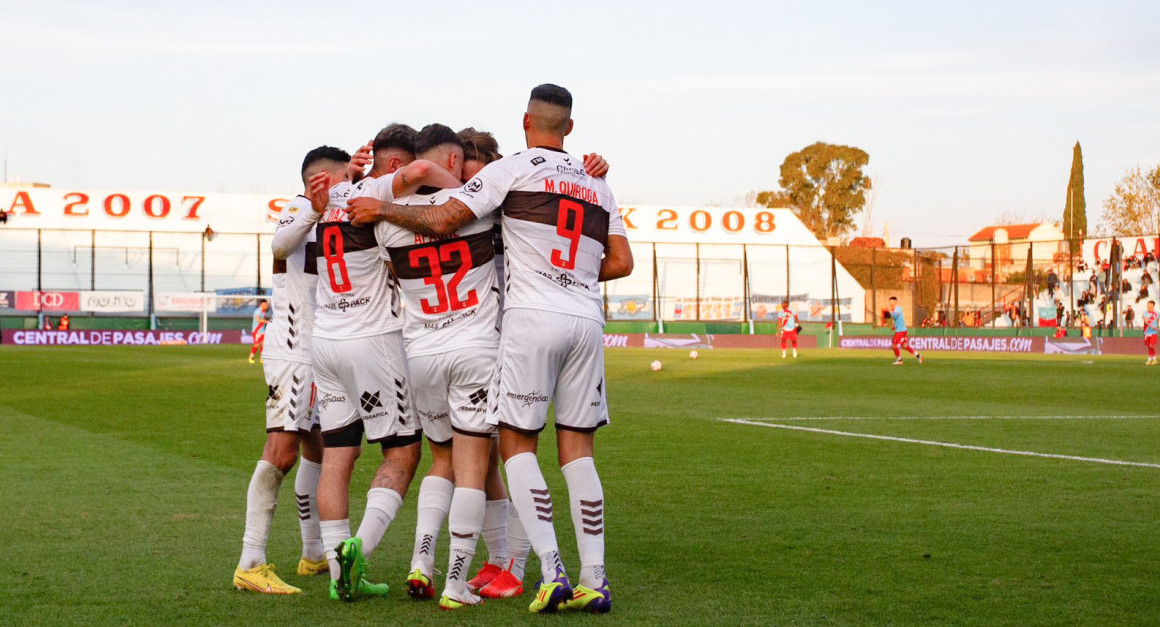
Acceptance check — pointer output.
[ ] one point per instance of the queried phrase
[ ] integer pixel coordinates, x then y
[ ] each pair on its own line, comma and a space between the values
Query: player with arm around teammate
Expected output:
562, 235
900, 339
291, 419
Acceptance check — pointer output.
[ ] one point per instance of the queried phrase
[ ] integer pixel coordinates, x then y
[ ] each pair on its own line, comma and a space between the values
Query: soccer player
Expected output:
787, 322
900, 340
359, 365
1150, 328
258, 329
562, 234
291, 420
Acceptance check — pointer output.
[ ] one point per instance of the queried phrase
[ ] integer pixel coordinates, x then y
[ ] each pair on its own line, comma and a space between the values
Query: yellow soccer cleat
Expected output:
310, 568
261, 578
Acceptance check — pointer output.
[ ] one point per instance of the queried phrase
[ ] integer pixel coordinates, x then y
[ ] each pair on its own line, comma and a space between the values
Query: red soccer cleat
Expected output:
504, 586
486, 575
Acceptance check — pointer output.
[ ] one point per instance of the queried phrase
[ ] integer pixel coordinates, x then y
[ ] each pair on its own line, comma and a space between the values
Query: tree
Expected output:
824, 186
1075, 206
1134, 207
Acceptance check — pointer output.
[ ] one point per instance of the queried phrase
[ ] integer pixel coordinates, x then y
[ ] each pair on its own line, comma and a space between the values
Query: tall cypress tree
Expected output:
1075, 207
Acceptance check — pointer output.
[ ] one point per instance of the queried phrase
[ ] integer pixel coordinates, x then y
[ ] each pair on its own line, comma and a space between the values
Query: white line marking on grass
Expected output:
810, 418
967, 447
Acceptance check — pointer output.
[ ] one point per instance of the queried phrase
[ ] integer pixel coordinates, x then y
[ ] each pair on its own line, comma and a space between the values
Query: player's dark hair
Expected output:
1151, 302
324, 153
434, 135
399, 136
552, 94
479, 145
893, 298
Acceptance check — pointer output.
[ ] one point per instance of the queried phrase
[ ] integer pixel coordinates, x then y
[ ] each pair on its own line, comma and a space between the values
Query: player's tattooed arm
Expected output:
617, 262
426, 220
595, 165
421, 173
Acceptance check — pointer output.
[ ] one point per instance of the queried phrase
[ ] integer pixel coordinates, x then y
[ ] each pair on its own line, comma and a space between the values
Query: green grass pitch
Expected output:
124, 473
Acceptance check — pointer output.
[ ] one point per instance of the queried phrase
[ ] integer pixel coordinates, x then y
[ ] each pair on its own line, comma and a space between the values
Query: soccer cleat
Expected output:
504, 586
251, 360
598, 601
261, 578
419, 586
897, 362
486, 575
919, 356
352, 567
551, 595
310, 568
449, 602
368, 589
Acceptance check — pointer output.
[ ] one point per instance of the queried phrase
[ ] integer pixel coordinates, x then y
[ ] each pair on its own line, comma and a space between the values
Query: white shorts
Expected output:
365, 381
549, 357
290, 396
451, 392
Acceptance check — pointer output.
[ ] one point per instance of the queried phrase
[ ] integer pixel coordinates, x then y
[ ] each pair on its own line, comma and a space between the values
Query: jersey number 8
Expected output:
332, 252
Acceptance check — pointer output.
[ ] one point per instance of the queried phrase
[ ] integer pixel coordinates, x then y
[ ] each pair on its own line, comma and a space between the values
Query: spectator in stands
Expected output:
1129, 316
1145, 278
1126, 286
3, 217
1149, 257
1143, 293
1058, 313
1052, 282
47, 323
1093, 283
1085, 325
63, 324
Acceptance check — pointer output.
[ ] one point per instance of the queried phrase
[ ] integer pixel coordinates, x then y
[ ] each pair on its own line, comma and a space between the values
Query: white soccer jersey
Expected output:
448, 283
556, 223
356, 291
292, 321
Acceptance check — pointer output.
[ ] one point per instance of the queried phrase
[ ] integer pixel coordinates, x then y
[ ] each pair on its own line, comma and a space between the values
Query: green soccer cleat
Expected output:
551, 595
598, 601
352, 567
365, 588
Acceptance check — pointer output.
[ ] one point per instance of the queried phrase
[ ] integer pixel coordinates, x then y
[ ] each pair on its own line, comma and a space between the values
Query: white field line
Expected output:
811, 418
966, 447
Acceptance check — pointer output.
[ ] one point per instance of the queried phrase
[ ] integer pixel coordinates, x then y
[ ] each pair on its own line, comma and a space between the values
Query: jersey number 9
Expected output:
575, 211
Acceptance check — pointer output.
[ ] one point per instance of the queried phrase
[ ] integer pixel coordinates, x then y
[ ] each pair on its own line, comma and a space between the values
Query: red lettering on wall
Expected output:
277, 205
626, 214
22, 201
117, 205
78, 206
667, 220
156, 206
700, 220
197, 200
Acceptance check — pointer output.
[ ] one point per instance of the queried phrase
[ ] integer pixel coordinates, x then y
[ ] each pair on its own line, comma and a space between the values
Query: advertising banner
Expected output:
171, 302
960, 344
112, 302
7, 300
48, 301
630, 307
21, 337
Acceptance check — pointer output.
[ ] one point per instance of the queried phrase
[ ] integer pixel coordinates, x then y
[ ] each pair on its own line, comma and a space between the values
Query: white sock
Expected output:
795, 352
518, 545
306, 493
464, 523
587, 500
783, 353
434, 502
532, 500
495, 530
261, 500
382, 506
333, 534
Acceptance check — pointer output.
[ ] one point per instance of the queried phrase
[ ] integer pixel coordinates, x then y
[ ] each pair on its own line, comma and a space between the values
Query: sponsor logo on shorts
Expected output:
565, 279
433, 416
327, 399
528, 398
450, 319
370, 401
344, 304
478, 399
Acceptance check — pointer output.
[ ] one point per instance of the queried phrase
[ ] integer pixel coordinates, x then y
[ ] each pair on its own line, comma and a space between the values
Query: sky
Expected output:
969, 111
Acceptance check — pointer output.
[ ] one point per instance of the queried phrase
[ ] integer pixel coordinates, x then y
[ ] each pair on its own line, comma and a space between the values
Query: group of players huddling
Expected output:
413, 347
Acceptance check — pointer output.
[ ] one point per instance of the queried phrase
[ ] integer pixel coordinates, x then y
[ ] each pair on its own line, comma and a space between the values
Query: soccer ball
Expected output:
656, 365
693, 354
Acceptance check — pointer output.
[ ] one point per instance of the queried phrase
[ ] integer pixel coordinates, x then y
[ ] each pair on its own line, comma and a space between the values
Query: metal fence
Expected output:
671, 282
